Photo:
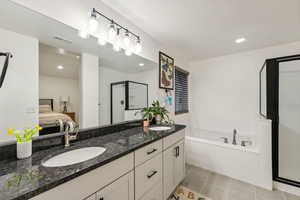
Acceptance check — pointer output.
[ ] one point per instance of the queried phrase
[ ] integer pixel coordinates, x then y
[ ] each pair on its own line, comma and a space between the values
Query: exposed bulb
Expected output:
138, 46
117, 43
102, 41
93, 23
112, 32
83, 33
128, 52
126, 40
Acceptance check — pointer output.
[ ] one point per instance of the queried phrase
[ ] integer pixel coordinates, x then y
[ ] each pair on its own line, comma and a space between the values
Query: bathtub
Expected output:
251, 164
217, 138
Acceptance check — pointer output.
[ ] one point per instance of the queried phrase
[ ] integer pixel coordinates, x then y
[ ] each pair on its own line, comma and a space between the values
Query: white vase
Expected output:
158, 119
24, 149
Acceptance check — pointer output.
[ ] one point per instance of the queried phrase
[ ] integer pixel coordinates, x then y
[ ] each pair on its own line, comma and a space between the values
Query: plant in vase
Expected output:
24, 140
147, 115
159, 112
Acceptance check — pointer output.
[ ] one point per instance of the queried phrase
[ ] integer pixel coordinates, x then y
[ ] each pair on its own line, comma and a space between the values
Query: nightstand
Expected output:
71, 114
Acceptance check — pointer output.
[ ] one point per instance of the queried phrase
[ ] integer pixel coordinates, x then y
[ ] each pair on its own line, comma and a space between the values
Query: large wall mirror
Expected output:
54, 75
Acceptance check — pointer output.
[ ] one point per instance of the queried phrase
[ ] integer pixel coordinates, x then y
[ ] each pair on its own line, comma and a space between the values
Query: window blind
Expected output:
181, 91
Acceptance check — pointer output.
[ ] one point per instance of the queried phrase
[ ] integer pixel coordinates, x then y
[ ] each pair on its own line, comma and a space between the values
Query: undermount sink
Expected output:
160, 128
74, 156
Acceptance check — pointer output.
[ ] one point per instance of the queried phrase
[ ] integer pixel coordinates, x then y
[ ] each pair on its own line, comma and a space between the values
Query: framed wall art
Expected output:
166, 71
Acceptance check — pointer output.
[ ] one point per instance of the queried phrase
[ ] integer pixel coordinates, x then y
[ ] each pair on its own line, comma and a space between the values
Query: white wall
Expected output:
89, 90
225, 95
19, 94
56, 88
225, 90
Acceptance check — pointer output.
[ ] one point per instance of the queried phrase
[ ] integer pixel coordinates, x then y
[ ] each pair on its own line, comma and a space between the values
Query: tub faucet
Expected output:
234, 137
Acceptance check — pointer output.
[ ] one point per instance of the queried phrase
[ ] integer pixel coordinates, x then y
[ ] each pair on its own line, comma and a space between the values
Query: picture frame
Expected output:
166, 71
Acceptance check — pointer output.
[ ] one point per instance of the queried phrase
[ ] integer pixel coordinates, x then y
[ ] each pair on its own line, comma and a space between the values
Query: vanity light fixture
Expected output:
83, 34
126, 39
113, 34
60, 67
93, 23
117, 42
101, 41
138, 46
240, 40
128, 52
141, 64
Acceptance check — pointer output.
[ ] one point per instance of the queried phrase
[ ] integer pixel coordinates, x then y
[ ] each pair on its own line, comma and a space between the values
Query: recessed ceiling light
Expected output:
61, 51
240, 40
60, 67
141, 64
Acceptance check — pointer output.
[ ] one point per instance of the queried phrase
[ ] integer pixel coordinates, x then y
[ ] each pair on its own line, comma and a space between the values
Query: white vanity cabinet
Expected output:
173, 163
150, 173
108, 177
167, 160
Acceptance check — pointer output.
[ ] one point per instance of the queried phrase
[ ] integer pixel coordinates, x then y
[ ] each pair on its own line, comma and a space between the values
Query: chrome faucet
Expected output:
71, 126
234, 137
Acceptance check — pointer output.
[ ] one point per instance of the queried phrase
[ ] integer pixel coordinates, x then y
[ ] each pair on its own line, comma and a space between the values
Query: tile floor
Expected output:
219, 187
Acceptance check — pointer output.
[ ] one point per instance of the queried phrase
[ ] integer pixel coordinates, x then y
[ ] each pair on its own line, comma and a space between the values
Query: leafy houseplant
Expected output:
155, 111
160, 112
147, 114
24, 140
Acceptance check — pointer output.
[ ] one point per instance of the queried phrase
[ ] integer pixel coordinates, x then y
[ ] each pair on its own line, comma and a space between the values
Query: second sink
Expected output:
159, 128
74, 156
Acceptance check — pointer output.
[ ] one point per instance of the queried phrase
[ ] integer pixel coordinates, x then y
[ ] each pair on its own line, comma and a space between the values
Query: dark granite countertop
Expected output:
24, 179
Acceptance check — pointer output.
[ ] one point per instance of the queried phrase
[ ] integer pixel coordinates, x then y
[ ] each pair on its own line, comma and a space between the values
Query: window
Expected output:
181, 91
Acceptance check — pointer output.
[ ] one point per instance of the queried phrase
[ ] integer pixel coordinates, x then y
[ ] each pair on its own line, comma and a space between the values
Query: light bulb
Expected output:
93, 24
138, 46
128, 52
83, 33
117, 42
112, 32
101, 41
126, 39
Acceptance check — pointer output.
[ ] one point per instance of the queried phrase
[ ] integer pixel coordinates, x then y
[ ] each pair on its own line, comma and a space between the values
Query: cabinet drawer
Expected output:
155, 193
148, 175
172, 139
148, 152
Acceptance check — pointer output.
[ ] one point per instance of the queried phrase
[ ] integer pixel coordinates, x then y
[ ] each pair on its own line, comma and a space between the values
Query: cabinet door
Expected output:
123, 188
179, 167
174, 167
154, 194
169, 171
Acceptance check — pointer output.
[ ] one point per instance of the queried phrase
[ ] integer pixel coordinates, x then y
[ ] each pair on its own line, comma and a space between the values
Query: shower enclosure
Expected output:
280, 102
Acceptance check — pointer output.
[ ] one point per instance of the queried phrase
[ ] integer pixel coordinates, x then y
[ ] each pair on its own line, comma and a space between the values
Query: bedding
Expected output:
45, 109
47, 118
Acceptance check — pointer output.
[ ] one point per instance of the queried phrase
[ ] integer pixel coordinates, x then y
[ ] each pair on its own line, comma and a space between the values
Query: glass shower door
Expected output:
289, 120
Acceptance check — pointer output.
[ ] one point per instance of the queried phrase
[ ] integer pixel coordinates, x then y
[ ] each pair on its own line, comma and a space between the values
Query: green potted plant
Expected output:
147, 115
24, 140
159, 112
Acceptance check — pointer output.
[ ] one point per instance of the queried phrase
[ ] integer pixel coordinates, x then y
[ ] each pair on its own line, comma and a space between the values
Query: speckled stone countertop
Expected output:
24, 179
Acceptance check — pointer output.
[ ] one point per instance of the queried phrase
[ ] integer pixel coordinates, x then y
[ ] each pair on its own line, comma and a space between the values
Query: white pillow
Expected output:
45, 108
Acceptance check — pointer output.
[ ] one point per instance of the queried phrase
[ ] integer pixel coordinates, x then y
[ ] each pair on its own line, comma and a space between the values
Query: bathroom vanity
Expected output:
138, 164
